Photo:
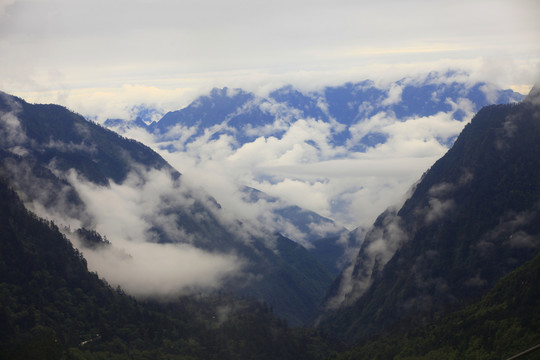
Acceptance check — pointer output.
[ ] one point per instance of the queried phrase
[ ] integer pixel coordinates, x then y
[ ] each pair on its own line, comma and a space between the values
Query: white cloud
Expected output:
304, 167
150, 269
11, 132
377, 247
127, 215
438, 209
97, 57
394, 95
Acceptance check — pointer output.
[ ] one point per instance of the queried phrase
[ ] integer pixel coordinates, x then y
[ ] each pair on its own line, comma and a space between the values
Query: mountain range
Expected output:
81, 175
459, 254
333, 152
246, 116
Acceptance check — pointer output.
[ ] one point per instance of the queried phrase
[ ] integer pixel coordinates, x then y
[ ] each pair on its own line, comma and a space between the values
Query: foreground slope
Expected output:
472, 218
52, 307
504, 323
82, 175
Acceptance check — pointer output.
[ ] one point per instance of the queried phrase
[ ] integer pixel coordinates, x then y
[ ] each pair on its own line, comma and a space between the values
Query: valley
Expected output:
215, 238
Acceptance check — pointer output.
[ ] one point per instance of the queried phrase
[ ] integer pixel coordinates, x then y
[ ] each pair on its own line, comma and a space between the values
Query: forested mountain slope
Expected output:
473, 218
504, 323
80, 174
52, 307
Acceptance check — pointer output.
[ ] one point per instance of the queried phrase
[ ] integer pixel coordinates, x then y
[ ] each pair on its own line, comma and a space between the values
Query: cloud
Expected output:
156, 223
437, 209
440, 202
127, 214
70, 147
116, 102
378, 175
476, 281
52, 51
11, 132
296, 158
48, 197
153, 250
156, 270
394, 95
378, 245
512, 230
522, 239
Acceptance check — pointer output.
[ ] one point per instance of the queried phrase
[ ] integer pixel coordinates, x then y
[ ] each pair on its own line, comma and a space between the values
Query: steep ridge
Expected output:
80, 174
473, 217
45, 146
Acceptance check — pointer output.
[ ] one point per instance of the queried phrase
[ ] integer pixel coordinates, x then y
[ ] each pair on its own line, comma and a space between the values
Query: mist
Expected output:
376, 248
151, 270
136, 216
304, 166
153, 251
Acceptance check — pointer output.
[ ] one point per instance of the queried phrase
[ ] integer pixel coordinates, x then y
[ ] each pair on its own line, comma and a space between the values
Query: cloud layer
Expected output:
148, 218
94, 55
136, 216
159, 270
302, 158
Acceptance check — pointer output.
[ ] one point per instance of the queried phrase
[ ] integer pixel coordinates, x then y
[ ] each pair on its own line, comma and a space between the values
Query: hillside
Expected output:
167, 238
504, 323
451, 273
52, 307
472, 219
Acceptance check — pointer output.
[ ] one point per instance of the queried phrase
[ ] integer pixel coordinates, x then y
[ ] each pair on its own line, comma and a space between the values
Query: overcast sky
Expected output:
100, 56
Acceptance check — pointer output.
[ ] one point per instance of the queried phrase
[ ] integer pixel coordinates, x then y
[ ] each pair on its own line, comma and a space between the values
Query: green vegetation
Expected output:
424, 303
306, 281
74, 143
56, 140
505, 322
473, 218
51, 307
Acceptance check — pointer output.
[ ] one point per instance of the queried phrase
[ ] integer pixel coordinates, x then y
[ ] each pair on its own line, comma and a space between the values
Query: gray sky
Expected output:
100, 56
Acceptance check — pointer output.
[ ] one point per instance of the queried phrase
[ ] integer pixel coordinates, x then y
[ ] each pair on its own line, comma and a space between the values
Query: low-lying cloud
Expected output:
152, 253
11, 133
376, 248
148, 269
295, 158
127, 215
